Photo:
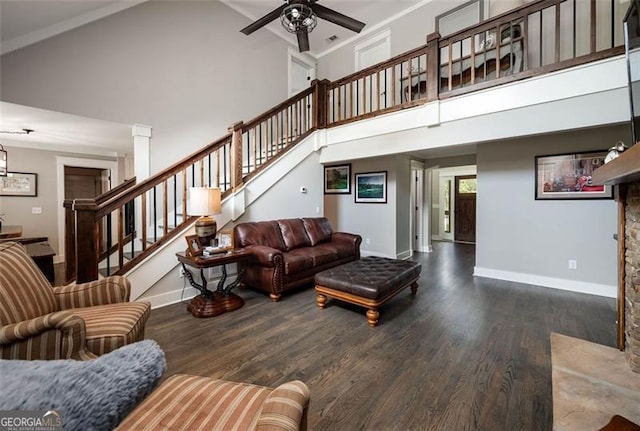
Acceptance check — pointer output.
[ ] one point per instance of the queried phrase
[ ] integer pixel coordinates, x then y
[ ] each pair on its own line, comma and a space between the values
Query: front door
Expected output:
465, 208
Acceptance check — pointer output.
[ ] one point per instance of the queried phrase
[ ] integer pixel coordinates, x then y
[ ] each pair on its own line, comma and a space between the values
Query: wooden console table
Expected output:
213, 303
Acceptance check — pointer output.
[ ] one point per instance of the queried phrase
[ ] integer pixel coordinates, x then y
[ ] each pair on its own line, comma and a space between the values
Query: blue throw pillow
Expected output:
88, 395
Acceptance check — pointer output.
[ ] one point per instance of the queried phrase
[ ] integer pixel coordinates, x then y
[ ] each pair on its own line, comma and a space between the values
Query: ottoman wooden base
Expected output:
368, 282
372, 305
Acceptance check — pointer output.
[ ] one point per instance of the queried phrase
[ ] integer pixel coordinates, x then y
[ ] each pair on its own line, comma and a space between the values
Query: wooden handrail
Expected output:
499, 20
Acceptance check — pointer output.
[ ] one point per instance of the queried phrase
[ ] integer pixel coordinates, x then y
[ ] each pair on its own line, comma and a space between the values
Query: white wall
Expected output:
522, 239
181, 67
384, 227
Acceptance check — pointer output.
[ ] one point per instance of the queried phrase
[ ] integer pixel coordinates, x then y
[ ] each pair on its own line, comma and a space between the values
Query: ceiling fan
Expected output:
300, 17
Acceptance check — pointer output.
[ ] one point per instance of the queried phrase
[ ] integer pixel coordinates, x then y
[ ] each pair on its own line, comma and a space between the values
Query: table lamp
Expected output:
205, 201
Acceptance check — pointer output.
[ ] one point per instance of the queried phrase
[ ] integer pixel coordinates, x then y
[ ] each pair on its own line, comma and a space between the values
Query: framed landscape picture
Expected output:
337, 179
371, 187
568, 176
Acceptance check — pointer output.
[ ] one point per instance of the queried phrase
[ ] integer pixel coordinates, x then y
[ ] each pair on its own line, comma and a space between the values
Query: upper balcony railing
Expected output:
114, 232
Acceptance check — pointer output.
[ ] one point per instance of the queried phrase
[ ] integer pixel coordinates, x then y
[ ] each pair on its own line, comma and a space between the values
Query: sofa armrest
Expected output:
265, 256
285, 408
72, 337
110, 290
352, 238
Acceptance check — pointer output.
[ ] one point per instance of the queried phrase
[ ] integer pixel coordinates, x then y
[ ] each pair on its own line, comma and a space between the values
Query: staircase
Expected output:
124, 229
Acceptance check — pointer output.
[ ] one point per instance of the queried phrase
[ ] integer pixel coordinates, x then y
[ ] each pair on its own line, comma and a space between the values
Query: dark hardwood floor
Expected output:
464, 354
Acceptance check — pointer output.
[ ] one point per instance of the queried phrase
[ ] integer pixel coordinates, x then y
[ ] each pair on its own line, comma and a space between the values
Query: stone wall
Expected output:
632, 276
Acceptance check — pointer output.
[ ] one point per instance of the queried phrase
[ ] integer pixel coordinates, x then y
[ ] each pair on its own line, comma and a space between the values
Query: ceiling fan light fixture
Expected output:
298, 17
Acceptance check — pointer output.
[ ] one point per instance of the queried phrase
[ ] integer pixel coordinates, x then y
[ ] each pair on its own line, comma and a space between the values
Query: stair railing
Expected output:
112, 233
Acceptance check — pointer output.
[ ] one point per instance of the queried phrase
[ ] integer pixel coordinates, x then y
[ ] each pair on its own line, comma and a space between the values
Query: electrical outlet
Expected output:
36, 210
573, 263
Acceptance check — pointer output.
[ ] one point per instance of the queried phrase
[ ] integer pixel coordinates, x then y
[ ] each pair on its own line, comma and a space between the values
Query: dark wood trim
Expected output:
621, 197
236, 130
126, 184
87, 240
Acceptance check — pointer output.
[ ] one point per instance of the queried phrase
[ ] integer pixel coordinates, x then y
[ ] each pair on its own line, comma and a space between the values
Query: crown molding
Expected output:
66, 25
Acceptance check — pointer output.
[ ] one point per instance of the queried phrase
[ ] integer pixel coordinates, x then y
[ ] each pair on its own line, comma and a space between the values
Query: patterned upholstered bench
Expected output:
368, 282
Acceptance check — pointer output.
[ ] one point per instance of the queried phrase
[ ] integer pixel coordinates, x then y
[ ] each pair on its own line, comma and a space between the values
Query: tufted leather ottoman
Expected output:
368, 282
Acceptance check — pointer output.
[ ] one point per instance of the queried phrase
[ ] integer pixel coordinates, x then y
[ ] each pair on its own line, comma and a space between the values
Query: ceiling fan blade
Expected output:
338, 18
303, 41
263, 21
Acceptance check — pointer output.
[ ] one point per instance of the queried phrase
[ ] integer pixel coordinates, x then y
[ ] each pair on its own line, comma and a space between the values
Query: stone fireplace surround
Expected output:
624, 172
632, 276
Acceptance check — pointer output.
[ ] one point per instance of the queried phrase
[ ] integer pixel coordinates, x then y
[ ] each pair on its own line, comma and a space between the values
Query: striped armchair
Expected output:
80, 321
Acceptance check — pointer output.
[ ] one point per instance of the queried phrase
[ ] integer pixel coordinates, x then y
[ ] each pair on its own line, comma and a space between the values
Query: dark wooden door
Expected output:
465, 208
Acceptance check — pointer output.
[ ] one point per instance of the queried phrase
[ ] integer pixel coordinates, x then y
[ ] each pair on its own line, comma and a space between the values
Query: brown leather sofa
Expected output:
288, 253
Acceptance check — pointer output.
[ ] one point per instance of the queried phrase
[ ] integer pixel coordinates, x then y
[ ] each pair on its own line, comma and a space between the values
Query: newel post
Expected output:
236, 154
433, 66
87, 240
321, 89
69, 241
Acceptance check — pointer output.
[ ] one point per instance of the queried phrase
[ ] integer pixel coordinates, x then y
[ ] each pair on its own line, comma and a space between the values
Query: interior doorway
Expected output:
466, 188
84, 183
301, 72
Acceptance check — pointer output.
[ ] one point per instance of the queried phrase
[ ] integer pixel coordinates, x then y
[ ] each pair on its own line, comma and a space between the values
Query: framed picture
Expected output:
371, 187
568, 176
194, 248
19, 184
337, 179
225, 240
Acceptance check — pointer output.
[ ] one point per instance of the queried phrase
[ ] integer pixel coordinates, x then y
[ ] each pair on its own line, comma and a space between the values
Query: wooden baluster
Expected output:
165, 208
143, 215
184, 193
592, 15
120, 237
557, 56
87, 240
433, 66
236, 130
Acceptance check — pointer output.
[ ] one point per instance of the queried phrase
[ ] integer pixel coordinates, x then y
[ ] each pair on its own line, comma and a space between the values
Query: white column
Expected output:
142, 170
141, 151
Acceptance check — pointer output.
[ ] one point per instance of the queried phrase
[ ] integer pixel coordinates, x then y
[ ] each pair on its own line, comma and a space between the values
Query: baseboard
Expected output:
404, 255
555, 283
169, 298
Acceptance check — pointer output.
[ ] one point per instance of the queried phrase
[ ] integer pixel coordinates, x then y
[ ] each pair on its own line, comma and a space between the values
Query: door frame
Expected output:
305, 60
451, 173
456, 196
61, 162
369, 43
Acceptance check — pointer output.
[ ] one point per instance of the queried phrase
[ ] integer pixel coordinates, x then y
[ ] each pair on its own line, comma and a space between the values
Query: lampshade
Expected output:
205, 201
298, 16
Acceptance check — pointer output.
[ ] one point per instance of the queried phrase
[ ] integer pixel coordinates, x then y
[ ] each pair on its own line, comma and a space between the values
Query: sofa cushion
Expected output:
294, 233
265, 233
297, 260
25, 291
318, 229
88, 395
323, 254
106, 333
192, 402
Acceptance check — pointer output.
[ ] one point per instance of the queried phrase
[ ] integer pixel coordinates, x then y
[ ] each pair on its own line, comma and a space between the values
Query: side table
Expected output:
213, 303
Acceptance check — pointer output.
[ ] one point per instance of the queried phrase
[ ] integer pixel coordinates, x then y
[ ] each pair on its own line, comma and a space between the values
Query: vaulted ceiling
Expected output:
23, 23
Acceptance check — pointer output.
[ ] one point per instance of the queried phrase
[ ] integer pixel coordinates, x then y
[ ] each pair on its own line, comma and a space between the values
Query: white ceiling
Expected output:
56, 131
374, 13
